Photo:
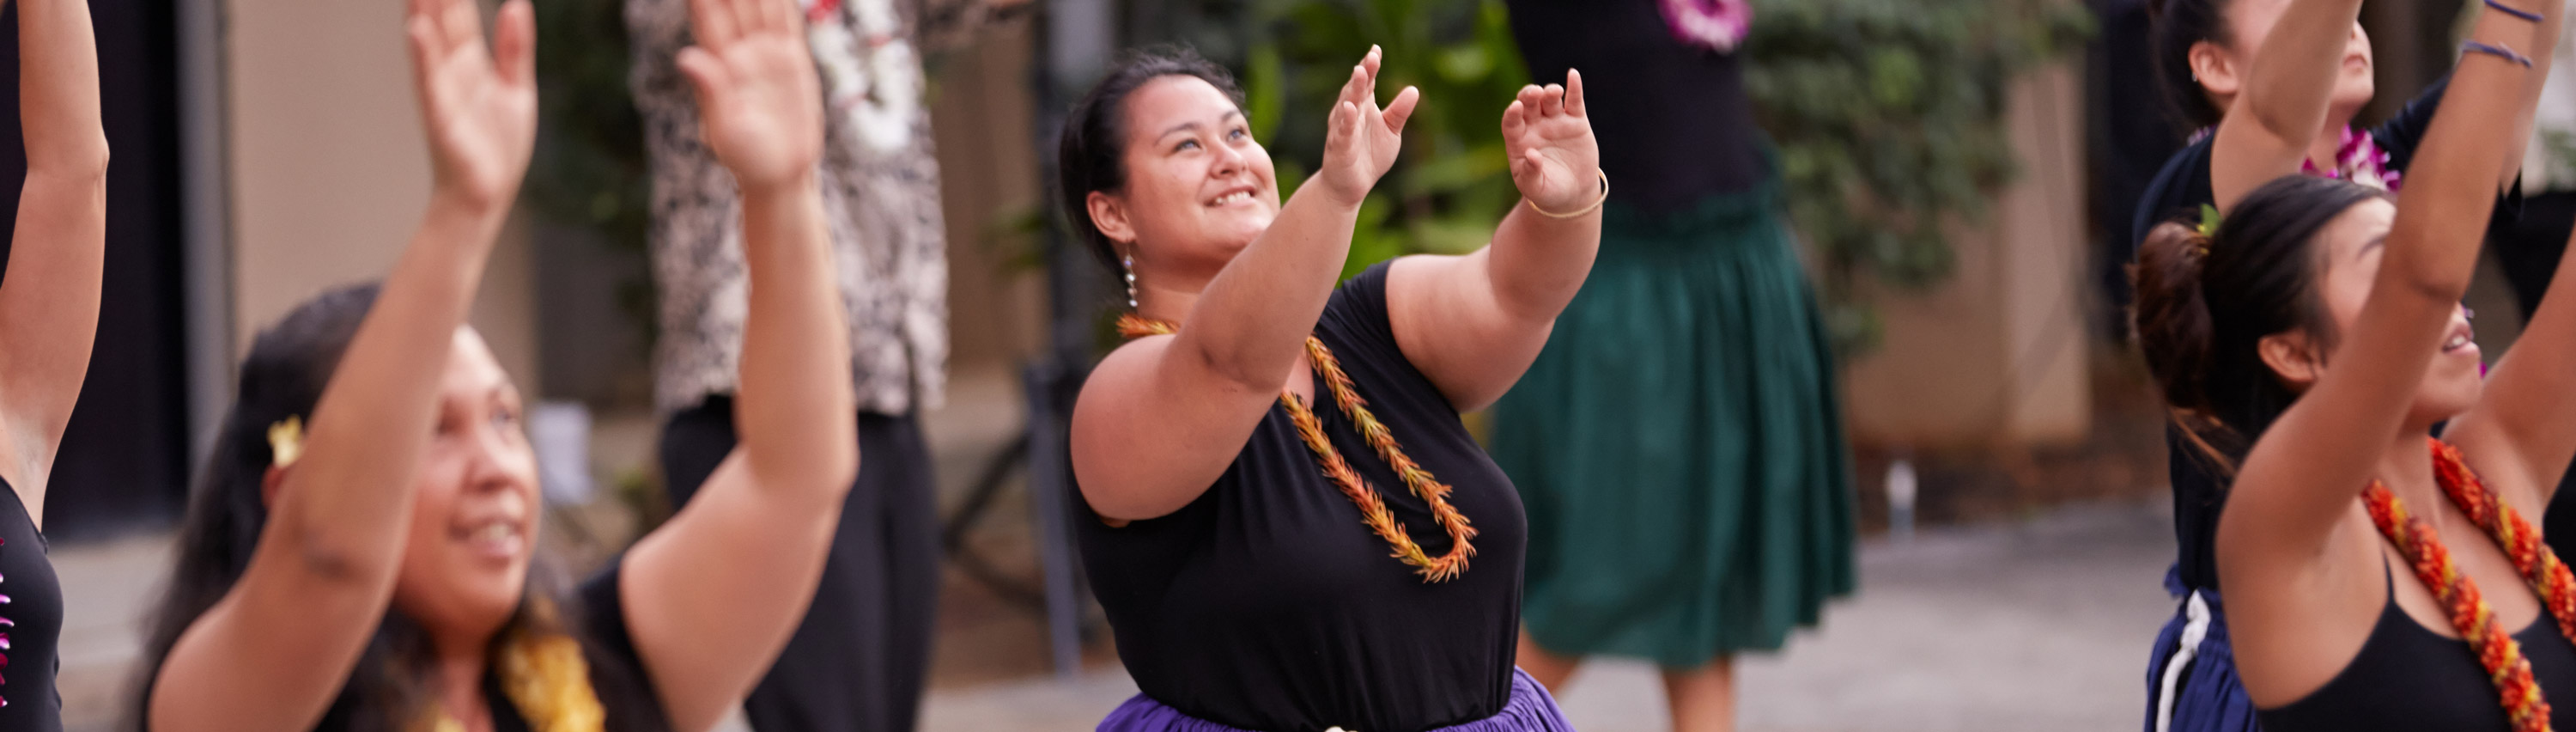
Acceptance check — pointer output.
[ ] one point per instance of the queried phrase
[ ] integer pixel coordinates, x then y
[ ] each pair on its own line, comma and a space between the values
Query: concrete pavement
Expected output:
2040, 624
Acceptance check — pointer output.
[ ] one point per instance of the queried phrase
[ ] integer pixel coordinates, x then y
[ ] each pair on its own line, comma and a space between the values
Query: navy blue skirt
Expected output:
2191, 677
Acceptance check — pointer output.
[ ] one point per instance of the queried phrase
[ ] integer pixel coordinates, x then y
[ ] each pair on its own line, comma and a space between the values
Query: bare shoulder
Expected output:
2298, 621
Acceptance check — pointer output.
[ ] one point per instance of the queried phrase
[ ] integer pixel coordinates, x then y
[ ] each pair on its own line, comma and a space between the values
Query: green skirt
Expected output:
1679, 445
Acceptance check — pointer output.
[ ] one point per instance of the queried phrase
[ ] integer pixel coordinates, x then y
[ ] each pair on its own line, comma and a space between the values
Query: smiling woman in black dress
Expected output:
1271, 565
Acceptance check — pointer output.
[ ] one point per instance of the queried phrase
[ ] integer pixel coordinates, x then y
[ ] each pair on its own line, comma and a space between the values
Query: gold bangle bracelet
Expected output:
1587, 210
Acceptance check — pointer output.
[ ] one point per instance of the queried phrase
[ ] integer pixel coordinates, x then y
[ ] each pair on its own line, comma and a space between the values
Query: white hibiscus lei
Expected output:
870, 75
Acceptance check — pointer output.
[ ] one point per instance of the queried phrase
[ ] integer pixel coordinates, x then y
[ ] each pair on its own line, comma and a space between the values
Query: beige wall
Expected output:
1997, 354
329, 175
988, 168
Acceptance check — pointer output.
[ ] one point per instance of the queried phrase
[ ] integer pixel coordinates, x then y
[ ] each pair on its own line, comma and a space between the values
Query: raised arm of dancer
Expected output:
711, 596
271, 654
1163, 416
1473, 323
2300, 478
49, 301
2522, 433
2281, 105
2543, 48
2519, 434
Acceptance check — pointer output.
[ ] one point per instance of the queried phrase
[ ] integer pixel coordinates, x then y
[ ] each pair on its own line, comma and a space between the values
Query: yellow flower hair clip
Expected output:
286, 441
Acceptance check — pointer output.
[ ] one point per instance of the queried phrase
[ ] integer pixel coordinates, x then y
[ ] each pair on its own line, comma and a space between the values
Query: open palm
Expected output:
479, 106
1363, 140
757, 88
1555, 160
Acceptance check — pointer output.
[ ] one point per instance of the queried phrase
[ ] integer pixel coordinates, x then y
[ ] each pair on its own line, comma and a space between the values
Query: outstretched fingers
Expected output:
712, 22
514, 43
1532, 100
706, 74
1574, 93
1354, 89
1401, 108
461, 23
1371, 63
427, 47
785, 15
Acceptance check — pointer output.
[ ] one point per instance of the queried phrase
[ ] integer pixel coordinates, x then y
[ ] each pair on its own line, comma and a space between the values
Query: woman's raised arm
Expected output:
1473, 324
2301, 476
271, 654
49, 300
1162, 417
2282, 101
712, 596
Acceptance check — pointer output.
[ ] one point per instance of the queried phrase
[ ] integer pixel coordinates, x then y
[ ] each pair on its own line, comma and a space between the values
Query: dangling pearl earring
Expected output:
1129, 264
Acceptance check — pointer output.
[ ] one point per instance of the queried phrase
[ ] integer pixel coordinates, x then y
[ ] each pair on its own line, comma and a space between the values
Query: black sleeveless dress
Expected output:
596, 617
31, 623
2406, 677
1266, 604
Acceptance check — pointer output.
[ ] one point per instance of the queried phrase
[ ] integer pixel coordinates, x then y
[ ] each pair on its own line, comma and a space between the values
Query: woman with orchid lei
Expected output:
2273, 85
358, 556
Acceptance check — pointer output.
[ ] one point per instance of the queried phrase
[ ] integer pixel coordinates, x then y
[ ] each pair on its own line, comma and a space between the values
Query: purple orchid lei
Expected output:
2358, 158
1719, 25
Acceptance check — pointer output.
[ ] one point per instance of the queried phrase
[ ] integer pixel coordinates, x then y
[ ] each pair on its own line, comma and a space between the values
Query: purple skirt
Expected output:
1530, 710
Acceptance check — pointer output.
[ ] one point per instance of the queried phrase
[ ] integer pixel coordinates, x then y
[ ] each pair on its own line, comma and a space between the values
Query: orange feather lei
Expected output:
2468, 610
1373, 510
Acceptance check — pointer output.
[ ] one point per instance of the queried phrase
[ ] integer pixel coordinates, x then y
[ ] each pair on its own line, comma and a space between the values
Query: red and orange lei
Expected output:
2468, 610
1373, 510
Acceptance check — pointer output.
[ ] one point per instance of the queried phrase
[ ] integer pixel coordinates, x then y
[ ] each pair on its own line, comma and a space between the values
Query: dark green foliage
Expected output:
589, 172
1889, 119
1452, 184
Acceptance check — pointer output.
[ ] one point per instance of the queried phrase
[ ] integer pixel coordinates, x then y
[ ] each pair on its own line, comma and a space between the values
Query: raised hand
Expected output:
478, 106
1362, 141
756, 88
1555, 160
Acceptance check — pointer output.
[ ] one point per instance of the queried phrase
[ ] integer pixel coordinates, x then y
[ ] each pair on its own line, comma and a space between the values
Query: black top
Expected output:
31, 623
1672, 118
2177, 194
617, 672
2406, 677
597, 618
2183, 187
1266, 604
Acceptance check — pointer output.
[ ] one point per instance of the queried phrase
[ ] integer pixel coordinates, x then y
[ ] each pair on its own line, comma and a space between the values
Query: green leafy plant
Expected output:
588, 171
1889, 117
1453, 184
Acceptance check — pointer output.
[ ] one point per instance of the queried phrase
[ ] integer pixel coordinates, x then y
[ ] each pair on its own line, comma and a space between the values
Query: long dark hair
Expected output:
2176, 26
2205, 304
1091, 152
288, 366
